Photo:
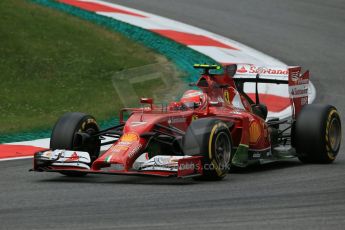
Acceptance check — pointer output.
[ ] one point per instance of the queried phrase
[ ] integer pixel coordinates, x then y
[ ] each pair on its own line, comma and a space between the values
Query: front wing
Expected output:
65, 161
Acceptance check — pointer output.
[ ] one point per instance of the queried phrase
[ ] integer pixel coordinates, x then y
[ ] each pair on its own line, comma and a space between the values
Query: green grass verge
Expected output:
51, 63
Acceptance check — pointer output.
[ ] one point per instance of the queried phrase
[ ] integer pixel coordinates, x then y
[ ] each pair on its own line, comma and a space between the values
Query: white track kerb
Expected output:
221, 49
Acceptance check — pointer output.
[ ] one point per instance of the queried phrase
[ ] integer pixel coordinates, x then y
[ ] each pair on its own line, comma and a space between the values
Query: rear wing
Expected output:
248, 73
297, 83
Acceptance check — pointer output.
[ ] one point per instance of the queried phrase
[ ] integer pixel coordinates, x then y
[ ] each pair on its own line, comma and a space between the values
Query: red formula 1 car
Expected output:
203, 135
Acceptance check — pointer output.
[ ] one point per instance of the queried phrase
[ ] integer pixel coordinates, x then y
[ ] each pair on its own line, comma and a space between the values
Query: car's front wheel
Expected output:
211, 139
64, 136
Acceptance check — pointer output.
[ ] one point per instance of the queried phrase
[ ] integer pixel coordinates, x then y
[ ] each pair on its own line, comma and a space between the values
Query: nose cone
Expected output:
125, 151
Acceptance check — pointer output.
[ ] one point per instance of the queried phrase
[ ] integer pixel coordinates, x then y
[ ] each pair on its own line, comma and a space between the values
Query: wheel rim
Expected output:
222, 150
334, 134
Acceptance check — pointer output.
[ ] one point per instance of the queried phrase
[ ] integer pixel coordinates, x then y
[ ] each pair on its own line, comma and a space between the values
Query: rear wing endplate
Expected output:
298, 89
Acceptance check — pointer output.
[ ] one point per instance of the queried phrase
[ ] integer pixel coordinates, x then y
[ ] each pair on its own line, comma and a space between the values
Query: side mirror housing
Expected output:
145, 100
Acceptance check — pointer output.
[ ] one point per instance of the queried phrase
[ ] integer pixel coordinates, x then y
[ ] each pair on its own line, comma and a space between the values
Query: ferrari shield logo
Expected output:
226, 96
195, 117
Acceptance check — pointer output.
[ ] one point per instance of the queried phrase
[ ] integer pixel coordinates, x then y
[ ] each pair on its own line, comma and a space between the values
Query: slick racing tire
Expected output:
64, 136
211, 139
317, 134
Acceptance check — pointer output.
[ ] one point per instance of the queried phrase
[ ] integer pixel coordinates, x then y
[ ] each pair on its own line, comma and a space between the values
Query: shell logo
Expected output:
254, 132
242, 70
130, 137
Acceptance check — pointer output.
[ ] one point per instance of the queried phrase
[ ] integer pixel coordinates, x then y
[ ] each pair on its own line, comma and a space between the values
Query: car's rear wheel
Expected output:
211, 139
317, 134
64, 136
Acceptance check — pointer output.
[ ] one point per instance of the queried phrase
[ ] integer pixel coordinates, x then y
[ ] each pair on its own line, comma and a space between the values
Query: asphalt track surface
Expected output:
286, 195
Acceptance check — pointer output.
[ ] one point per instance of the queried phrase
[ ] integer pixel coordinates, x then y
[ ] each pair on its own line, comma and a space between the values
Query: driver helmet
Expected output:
192, 98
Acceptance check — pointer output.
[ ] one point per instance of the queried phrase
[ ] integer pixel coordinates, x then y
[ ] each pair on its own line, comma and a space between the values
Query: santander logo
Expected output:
73, 157
242, 70
252, 69
274, 71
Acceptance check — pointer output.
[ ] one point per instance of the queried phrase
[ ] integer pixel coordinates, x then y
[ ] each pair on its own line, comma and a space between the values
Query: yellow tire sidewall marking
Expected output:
88, 121
329, 153
215, 164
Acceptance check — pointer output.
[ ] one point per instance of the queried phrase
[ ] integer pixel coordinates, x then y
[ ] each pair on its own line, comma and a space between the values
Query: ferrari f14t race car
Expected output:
207, 132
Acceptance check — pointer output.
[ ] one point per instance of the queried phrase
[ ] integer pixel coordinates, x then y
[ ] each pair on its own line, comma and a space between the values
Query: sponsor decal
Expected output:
177, 120
260, 153
129, 137
73, 157
299, 91
65, 158
119, 148
124, 143
252, 69
254, 132
242, 70
295, 92
295, 75
134, 151
256, 155
260, 70
226, 96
